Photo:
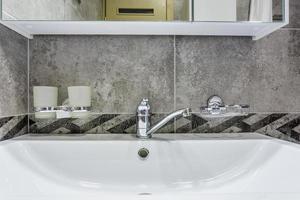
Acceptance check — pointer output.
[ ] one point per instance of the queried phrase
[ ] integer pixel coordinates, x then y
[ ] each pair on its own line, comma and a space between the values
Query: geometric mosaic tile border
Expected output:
284, 126
13, 126
94, 124
280, 125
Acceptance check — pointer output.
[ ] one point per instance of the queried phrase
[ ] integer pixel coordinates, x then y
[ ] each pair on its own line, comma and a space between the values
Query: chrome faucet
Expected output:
216, 108
143, 121
143, 117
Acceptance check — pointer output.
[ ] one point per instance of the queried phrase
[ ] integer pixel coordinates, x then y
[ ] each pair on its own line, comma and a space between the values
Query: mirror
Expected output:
144, 10
237, 10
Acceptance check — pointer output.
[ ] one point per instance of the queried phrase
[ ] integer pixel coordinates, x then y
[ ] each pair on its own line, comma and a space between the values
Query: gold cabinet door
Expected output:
136, 10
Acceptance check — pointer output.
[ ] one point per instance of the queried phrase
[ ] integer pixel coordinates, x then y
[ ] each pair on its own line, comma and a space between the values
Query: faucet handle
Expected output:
144, 102
144, 107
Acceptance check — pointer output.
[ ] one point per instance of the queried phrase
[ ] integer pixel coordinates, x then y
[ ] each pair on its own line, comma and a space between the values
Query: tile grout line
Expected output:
175, 77
28, 74
174, 71
290, 29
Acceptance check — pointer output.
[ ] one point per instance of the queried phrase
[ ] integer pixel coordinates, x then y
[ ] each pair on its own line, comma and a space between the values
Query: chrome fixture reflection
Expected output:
65, 111
62, 108
144, 119
216, 108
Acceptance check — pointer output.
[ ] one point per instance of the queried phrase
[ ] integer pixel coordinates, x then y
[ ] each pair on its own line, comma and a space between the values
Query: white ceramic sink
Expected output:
187, 167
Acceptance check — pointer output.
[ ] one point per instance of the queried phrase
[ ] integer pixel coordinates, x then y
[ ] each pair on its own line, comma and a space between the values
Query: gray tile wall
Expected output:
264, 73
13, 84
13, 73
120, 69
174, 72
294, 14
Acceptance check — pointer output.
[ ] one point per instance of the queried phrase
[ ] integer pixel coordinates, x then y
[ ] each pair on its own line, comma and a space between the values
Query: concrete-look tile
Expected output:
213, 65
276, 78
120, 69
294, 14
264, 74
13, 73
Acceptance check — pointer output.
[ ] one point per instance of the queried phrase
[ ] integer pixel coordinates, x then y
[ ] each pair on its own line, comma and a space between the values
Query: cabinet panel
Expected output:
152, 10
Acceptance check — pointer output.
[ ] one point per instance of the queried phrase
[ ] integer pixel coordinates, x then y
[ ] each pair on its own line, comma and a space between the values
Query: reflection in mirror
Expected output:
144, 10
51, 9
95, 10
238, 10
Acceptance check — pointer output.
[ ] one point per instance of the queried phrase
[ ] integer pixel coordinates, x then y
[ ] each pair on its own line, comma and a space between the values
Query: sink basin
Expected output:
178, 166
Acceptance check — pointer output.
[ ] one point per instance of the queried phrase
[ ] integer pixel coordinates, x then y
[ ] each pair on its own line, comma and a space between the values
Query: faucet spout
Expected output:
186, 112
143, 119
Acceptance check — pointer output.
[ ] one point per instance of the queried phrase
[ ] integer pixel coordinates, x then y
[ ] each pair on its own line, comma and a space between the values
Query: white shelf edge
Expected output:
14, 27
30, 28
18, 29
256, 30
270, 30
267, 31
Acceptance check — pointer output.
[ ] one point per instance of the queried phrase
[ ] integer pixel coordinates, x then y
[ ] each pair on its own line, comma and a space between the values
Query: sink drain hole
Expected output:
145, 194
143, 153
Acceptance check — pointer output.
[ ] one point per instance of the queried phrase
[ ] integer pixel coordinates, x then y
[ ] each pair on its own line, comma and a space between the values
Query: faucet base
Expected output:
144, 137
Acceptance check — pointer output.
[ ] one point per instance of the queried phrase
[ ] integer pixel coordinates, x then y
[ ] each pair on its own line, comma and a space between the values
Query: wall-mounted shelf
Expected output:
256, 30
